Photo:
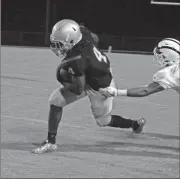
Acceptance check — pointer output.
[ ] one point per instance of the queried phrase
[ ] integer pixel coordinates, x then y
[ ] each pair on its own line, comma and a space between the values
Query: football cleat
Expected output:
45, 147
141, 123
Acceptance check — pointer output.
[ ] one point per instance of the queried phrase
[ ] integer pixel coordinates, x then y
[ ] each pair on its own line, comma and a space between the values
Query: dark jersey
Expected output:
86, 59
90, 36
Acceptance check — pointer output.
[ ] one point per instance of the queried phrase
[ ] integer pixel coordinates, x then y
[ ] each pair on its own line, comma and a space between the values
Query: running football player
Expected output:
167, 55
83, 71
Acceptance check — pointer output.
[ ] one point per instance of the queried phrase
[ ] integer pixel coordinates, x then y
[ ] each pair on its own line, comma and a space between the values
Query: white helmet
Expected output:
65, 35
167, 52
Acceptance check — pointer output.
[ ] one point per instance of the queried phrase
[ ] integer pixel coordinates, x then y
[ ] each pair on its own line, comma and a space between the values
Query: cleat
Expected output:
141, 123
45, 147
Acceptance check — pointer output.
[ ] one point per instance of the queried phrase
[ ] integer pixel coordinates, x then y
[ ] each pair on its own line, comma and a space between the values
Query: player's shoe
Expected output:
45, 147
138, 129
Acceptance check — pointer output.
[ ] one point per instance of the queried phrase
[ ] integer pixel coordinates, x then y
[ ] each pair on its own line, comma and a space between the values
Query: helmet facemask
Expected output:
166, 56
160, 58
65, 35
61, 48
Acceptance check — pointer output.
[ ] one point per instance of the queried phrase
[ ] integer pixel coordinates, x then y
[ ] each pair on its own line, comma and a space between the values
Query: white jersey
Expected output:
168, 77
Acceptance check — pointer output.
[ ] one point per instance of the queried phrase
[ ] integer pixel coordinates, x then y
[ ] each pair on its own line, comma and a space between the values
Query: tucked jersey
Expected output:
86, 59
168, 78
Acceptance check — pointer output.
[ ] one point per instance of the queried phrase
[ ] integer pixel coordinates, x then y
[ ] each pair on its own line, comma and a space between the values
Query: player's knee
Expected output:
57, 99
103, 121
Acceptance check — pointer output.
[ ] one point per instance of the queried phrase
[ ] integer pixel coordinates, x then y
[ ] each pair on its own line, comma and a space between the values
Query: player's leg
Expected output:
57, 100
101, 109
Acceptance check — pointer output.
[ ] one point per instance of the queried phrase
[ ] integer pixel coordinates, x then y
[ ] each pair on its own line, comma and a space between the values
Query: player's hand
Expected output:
109, 91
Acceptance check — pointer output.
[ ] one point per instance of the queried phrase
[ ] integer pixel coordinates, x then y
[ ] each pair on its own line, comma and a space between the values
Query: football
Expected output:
63, 76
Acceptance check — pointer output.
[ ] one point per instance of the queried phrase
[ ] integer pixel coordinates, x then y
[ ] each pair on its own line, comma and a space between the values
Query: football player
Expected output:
167, 55
83, 71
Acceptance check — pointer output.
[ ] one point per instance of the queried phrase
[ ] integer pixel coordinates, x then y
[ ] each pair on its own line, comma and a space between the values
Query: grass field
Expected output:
84, 149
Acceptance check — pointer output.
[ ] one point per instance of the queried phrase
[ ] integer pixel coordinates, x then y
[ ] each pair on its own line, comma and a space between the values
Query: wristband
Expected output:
122, 92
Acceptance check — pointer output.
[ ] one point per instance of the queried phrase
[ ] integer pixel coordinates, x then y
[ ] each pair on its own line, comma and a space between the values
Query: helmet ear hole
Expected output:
71, 41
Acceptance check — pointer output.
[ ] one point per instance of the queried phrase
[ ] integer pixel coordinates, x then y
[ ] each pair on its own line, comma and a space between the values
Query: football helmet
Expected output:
167, 52
65, 35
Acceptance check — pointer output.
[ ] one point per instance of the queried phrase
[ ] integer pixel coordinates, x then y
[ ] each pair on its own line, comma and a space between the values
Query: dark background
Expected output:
124, 24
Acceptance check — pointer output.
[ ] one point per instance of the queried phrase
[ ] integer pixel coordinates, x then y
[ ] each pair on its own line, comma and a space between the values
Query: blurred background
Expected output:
134, 25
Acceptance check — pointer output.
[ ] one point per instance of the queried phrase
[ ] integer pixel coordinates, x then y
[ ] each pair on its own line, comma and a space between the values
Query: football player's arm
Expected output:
78, 80
77, 86
161, 81
153, 87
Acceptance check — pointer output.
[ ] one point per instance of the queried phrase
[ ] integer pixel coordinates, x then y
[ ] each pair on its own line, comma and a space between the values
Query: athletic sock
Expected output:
135, 125
55, 115
52, 138
118, 121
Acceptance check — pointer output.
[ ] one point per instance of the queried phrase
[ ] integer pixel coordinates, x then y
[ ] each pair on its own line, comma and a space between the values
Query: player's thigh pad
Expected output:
101, 106
101, 110
64, 98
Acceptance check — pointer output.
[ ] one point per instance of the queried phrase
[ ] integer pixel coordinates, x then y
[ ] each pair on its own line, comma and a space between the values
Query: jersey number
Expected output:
99, 55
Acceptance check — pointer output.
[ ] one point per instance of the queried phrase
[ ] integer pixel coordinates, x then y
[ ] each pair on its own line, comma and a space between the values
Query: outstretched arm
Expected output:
141, 91
153, 87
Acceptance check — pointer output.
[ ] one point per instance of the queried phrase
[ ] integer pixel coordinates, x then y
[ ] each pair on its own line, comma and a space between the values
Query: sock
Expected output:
55, 115
135, 125
118, 121
51, 137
